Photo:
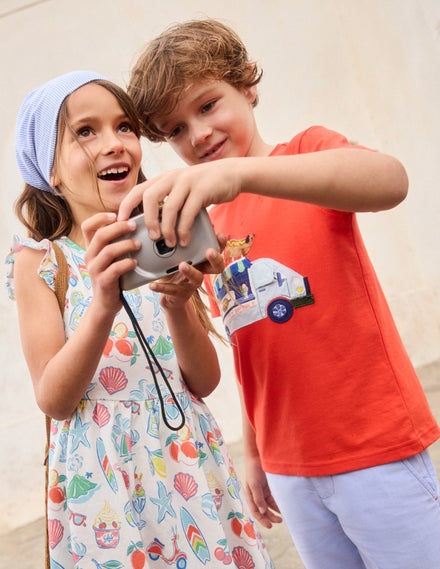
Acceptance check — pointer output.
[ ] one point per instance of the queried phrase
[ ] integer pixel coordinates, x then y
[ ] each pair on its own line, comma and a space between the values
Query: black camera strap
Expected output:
151, 357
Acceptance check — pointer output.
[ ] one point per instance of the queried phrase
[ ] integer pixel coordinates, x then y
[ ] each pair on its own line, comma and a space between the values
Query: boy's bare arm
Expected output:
261, 502
343, 179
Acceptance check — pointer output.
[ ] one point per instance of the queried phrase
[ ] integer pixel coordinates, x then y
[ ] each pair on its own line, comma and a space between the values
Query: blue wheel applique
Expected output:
280, 310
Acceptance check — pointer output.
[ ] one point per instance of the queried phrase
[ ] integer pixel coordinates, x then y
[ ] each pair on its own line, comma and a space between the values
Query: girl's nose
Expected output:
200, 132
112, 144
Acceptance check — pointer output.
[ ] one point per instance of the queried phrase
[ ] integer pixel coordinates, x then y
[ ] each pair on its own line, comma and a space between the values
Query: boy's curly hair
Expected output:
191, 51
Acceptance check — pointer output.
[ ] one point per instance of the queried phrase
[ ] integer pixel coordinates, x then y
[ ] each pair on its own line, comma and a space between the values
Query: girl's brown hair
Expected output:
196, 50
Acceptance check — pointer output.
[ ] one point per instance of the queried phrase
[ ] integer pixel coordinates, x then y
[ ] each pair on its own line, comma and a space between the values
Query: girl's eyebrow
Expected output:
86, 119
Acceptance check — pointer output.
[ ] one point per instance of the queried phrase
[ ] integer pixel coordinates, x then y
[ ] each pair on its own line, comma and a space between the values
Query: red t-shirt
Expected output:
327, 383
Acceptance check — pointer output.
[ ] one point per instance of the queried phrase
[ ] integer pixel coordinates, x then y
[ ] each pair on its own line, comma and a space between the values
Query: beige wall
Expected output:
370, 69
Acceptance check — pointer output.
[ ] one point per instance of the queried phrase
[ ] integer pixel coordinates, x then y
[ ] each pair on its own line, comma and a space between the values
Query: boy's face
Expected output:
212, 120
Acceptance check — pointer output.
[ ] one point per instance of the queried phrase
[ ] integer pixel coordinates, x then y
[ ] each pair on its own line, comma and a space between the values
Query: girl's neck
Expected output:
76, 235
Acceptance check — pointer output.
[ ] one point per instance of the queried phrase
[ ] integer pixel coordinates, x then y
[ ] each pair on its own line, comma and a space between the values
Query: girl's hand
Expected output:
185, 191
178, 288
102, 256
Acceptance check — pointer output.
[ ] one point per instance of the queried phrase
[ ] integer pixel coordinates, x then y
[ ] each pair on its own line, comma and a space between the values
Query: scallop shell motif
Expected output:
55, 532
185, 485
113, 379
242, 558
101, 415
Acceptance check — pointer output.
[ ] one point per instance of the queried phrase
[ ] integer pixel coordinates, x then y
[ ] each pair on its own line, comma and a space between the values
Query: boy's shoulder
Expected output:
313, 139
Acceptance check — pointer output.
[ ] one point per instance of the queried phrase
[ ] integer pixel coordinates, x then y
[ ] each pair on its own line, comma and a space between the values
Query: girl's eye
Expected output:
126, 127
84, 132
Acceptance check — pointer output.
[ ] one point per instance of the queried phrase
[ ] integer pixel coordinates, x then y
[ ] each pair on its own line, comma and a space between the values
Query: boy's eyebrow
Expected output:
163, 124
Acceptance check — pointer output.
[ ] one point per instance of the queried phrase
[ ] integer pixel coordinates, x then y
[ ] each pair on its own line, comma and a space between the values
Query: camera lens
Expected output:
162, 248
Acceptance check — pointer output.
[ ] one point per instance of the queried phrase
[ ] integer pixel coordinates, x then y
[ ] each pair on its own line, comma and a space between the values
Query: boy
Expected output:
336, 425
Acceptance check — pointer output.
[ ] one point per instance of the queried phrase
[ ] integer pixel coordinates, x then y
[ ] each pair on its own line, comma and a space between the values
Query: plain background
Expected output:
369, 69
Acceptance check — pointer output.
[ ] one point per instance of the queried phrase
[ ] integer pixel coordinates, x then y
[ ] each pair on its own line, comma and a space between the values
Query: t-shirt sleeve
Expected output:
215, 311
318, 138
48, 267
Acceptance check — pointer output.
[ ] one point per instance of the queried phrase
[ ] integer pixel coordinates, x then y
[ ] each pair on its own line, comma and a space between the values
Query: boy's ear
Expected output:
251, 93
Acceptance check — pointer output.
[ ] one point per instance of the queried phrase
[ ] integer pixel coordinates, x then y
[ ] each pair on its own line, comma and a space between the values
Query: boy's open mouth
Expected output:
114, 174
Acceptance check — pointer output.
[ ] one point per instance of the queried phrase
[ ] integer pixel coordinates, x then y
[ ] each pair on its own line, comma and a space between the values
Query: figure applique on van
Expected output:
248, 291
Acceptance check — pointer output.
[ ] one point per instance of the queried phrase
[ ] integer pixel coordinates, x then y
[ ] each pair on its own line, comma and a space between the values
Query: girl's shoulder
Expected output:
39, 255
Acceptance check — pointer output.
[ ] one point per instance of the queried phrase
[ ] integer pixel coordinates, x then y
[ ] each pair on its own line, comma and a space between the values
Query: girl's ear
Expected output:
54, 180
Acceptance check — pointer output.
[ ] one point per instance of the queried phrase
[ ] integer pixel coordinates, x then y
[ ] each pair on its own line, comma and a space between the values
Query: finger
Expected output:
111, 256
131, 200
91, 225
261, 517
105, 235
216, 262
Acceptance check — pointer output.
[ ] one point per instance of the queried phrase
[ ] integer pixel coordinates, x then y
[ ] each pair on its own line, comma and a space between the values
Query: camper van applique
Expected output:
249, 291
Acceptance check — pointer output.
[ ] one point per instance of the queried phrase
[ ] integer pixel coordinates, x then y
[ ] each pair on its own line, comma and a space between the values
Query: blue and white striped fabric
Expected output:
37, 122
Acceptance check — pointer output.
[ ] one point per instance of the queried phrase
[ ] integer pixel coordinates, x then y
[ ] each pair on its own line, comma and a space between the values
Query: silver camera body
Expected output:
156, 260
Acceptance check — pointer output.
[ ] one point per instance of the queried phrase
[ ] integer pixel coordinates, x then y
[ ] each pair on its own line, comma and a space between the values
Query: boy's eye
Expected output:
173, 133
208, 106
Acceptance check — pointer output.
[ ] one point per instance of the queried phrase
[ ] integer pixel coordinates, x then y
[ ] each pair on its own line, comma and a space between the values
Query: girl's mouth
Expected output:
114, 174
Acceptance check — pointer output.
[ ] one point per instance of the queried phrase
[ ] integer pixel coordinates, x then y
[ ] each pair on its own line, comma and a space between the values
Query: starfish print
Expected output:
79, 434
163, 503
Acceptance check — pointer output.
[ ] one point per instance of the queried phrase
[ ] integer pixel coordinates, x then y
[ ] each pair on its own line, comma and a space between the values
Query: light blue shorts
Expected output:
385, 517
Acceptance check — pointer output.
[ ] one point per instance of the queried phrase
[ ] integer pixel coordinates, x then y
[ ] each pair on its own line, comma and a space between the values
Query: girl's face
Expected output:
213, 120
104, 154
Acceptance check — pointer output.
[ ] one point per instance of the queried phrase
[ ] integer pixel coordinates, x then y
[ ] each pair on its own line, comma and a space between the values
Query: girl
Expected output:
124, 489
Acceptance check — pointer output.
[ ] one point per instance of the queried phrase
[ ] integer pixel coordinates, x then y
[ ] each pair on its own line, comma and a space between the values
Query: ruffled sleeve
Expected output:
48, 267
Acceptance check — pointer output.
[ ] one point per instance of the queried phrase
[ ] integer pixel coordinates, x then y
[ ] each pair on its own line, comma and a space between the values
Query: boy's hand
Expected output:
177, 289
184, 190
261, 502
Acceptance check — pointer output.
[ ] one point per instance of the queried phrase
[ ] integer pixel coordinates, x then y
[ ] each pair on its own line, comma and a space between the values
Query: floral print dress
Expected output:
124, 490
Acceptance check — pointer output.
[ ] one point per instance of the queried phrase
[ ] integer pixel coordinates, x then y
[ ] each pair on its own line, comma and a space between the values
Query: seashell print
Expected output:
55, 532
113, 379
242, 558
101, 415
185, 485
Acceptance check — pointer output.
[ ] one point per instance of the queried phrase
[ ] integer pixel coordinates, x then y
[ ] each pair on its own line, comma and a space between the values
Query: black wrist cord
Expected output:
149, 354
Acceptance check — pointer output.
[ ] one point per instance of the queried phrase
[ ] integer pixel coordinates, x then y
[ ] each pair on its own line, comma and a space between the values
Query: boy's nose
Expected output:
200, 132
